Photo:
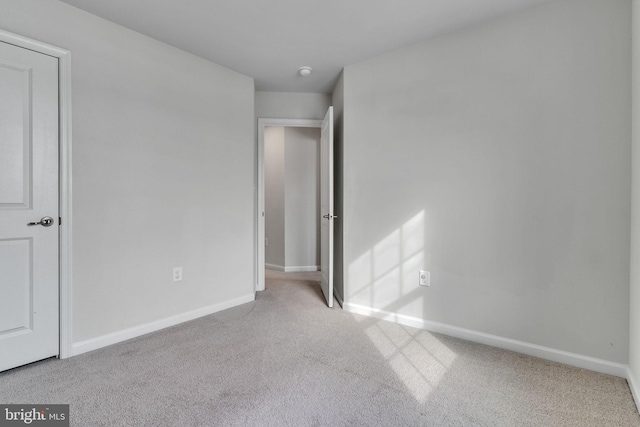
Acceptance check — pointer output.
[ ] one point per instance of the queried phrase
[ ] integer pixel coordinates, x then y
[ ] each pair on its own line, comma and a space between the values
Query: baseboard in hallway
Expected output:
293, 269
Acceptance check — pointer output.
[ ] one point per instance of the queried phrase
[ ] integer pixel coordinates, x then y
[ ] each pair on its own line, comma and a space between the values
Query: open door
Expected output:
326, 206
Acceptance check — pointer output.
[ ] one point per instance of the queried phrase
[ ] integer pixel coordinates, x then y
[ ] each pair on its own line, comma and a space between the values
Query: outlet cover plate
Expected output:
425, 278
177, 274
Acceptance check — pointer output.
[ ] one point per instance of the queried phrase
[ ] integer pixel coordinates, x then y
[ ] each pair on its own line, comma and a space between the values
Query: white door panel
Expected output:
326, 206
14, 137
29, 302
16, 302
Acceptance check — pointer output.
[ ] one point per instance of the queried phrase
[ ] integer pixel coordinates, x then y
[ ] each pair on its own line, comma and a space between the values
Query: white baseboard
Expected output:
560, 356
301, 268
633, 385
136, 331
293, 269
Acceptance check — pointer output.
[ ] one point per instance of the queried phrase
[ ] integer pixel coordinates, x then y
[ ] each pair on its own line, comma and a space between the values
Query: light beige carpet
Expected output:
288, 360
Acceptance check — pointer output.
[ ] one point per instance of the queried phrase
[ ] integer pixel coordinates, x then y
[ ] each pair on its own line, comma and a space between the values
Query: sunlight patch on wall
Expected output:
387, 272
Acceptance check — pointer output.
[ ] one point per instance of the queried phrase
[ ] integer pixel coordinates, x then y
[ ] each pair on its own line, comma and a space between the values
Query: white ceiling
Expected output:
270, 39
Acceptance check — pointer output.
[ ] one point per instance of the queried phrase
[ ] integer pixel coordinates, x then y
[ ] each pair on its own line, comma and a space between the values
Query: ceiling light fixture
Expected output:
304, 71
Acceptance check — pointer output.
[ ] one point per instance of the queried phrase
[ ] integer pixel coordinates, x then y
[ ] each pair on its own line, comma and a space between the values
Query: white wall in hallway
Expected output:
302, 206
274, 195
291, 198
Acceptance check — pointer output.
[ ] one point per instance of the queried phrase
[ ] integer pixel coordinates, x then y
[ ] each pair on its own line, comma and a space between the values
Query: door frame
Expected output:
260, 226
65, 228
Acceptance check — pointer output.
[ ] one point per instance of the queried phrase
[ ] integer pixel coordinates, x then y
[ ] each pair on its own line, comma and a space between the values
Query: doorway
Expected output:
263, 125
326, 199
292, 198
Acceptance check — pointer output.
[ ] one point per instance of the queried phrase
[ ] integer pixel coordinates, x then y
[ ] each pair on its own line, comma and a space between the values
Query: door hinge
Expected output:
59, 220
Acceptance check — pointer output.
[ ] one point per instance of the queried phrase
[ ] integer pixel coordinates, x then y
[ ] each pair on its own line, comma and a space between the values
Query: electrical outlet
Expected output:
425, 278
177, 274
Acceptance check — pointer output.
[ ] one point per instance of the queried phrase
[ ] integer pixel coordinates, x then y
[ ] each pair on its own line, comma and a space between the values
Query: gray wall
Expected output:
498, 158
338, 172
291, 198
634, 332
274, 213
302, 207
285, 105
160, 138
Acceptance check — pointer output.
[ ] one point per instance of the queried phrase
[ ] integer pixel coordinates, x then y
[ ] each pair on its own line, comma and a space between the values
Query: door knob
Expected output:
47, 221
329, 216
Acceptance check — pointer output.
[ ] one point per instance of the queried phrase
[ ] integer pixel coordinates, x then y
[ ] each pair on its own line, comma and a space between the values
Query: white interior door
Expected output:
326, 206
29, 304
